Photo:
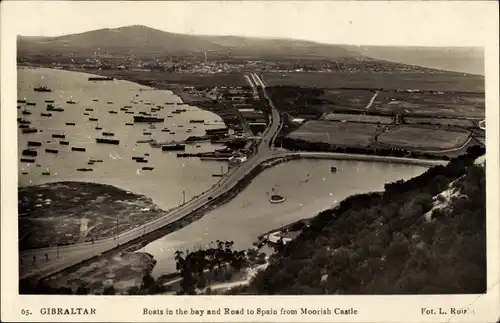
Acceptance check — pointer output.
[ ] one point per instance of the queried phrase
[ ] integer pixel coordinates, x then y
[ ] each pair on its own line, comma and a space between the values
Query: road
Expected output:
35, 263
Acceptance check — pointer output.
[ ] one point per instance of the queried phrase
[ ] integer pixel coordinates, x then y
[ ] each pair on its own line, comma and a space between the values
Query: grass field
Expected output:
442, 122
460, 104
357, 99
445, 81
424, 137
72, 212
363, 118
336, 133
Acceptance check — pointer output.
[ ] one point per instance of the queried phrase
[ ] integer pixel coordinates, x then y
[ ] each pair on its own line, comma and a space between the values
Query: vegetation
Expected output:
204, 265
381, 243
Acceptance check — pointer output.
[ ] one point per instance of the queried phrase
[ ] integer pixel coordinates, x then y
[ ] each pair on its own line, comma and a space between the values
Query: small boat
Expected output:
198, 146
42, 88
51, 151
62, 142
71, 102
127, 107
31, 103
89, 109
112, 112
70, 123
45, 173
26, 112
147, 168
34, 144
27, 160
77, 149
93, 119
129, 124
55, 135
49, 101
110, 134
21, 101
196, 121
29, 152
107, 141
180, 126
123, 109
30, 130
145, 141
84, 169
43, 114
333, 169
146, 154
98, 128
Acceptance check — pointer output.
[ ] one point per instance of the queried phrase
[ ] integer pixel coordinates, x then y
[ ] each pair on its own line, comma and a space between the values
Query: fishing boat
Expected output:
42, 88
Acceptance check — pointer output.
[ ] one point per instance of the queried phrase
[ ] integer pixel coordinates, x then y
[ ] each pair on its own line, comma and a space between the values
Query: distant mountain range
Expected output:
142, 40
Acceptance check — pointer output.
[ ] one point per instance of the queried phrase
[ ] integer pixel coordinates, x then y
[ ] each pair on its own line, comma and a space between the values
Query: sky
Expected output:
416, 23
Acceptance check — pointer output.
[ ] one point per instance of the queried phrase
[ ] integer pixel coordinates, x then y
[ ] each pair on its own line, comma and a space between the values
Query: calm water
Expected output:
171, 175
309, 188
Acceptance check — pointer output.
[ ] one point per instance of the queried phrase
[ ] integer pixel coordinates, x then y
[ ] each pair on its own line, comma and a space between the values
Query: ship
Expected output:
147, 119
333, 169
51, 151
196, 121
84, 169
29, 152
71, 102
110, 134
34, 144
77, 149
101, 78
173, 147
107, 141
42, 88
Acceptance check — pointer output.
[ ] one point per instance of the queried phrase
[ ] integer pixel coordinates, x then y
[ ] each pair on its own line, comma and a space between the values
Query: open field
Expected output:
361, 118
336, 133
166, 80
439, 81
449, 104
424, 137
463, 123
357, 99
71, 212
123, 271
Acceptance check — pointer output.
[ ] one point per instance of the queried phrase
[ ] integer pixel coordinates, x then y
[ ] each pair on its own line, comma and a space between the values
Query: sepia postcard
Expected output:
250, 161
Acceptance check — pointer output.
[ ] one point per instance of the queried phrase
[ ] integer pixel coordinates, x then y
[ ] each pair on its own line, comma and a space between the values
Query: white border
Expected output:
370, 308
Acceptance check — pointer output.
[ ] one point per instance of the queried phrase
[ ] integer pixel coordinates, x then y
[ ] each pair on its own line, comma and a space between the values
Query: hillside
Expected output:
142, 40
423, 236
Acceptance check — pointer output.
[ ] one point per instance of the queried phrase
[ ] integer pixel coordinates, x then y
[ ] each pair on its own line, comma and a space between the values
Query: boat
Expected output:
136, 158
275, 198
91, 162
147, 119
27, 160
141, 160
179, 103
129, 124
71, 102
51, 151
170, 116
31, 103
93, 119
29, 152
101, 78
30, 130
26, 112
333, 169
42, 88
127, 107
34, 144
49, 101
98, 128
62, 142
85, 114
45, 173
165, 130
84, 169
146, 133
70, 123
95, 160
107, 141
55, 135
89, 109
50, 107
196, 121
77, 149
129, 112
110, 134
95, 100
43, 114
145, 141
147, 168
109, 102
174, 147
112, 112
21, 121
23, 126
24, 173
21, 101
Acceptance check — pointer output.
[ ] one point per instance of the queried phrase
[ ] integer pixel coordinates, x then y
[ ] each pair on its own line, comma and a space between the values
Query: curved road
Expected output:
66, 256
